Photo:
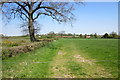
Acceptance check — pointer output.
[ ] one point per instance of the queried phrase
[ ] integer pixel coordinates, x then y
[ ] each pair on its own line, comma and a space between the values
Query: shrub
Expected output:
13, 51
22, 41
10, 43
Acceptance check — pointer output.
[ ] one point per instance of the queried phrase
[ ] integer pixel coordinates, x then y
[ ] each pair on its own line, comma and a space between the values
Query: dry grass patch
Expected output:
93, 70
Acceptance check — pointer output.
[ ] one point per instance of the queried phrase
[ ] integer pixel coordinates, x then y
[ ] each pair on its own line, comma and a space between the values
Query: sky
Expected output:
91, 17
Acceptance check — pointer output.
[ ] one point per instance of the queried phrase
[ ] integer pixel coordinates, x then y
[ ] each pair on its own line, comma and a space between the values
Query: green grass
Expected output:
33, 64
14, 41
103, 51
76, 69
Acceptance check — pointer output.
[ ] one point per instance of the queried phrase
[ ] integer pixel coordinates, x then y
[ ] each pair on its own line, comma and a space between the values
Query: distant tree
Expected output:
74, 35
62, 33
106, 35
69, 34
51, 33
81, 36
85, 35
92, 35
95, 35
98, 36
2, 35
114, 35
119, 36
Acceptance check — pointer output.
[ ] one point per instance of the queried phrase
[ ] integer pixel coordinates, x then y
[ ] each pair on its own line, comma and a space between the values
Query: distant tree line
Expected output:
62, 34
111, 35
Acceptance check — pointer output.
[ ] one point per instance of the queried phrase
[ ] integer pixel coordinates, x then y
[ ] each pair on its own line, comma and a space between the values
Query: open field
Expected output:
66, 58
14, 41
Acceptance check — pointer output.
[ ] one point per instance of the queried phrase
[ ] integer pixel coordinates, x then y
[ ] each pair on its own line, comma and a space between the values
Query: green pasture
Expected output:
66, 58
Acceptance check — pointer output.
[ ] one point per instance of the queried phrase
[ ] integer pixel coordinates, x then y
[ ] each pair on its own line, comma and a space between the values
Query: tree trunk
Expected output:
31, 30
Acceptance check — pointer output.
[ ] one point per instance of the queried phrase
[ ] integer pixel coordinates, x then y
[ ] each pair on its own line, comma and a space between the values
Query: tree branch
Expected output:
38, 6
40, 14
22, 7
51, 8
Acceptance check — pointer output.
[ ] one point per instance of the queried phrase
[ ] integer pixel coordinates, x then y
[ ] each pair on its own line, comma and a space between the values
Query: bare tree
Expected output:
25, 30
30, 12
51, 33
62, 33
114, 34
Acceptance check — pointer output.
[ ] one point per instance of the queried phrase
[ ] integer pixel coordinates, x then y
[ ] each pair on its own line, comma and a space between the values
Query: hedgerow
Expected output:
13, 51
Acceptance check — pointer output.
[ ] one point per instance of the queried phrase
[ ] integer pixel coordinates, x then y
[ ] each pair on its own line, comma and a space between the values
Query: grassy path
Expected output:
66, 58
58, 68
70, 64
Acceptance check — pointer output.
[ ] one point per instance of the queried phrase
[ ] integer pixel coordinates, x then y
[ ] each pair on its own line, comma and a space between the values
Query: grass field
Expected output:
66, 58
14, 41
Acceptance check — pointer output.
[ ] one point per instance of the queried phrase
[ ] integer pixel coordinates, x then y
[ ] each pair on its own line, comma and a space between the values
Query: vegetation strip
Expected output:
10, 52
58, 68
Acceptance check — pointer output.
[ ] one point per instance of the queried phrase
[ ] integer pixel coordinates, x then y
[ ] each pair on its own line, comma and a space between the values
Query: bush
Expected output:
10, 43
22, 41
13, 51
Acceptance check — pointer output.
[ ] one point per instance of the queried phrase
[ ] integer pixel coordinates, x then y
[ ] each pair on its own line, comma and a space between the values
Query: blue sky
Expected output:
92, 17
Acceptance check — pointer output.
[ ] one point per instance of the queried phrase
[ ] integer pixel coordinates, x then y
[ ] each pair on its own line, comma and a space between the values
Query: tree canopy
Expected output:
30, 11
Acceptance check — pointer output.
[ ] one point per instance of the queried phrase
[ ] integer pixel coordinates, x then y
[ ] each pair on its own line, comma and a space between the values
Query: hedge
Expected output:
13, 51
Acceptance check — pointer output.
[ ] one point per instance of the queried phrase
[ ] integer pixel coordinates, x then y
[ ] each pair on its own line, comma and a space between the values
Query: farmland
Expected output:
66, 58
14, 41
